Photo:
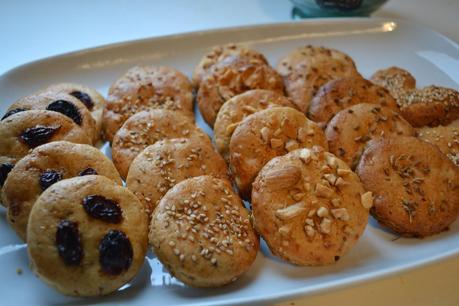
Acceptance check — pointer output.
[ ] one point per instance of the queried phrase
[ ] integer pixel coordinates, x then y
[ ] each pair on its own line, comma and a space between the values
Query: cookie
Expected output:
230, 77
218, 54
310, 208
237, 108
87, 236
60, 102
306, 69
93, 100
350, 129
265, 135
162, 165
415, 186
446, 138
341, 93
429, 106
44, 166
395, 79
146, 128
146, 88
202, 234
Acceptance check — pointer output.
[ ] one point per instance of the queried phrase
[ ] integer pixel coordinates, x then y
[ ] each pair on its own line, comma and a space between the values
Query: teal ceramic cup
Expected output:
334, 8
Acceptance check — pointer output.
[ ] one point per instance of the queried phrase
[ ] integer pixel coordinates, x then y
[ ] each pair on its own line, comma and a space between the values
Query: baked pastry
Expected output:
395, 79
230, 77
145, 88
63, 103
44, 166
265, 135
146, 128
93, 100
415, 186
446, 138
87, 236
237, 108
307, 68
350, 129
218, 54
162, 165
341, 93
202, 234
309, 207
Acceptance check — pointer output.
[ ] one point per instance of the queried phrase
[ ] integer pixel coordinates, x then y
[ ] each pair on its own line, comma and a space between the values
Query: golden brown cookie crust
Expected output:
446, 138
395, 79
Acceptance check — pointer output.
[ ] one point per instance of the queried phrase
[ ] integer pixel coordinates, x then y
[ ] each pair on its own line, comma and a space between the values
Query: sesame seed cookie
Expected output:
341, 93
93, 100
415, 186
431, 105
60, 102
446, 138
310, 208
306, 69
87, 236
44, 166
234, 111
394, 79
202, 234
350, 129
219, 53
267, 134
162, 165
230, 77
146, 128
146, 88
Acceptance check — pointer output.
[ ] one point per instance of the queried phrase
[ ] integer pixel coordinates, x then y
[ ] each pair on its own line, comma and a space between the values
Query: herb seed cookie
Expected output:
446, 138
202, 234
146, 128
230, 77
310, 208
306, 69
44, 166
350, 129
162, 165
394, 79
234, 111
341, 93
415, 186
267, 134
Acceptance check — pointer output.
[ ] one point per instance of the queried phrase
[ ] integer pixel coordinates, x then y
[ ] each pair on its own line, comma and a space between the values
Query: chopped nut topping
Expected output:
336, 202
367, 199
331, 178
265, 134
322, 212
276, 143
323, 191
305, 156
309, 230
284, 230
343, 172
309, 221
290, 211
291, 145
325, 226
340, 182
298, 196
340, 214
301, 135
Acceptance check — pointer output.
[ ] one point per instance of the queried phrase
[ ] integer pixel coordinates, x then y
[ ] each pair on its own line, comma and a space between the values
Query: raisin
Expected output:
116, 253
340, 4
88, 171
49, 177
68, 243
38, 135
102, 208
12, 112
83, 97
66, 108
5, 168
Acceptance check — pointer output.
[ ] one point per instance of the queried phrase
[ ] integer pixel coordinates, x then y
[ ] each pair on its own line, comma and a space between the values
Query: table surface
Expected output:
31, 30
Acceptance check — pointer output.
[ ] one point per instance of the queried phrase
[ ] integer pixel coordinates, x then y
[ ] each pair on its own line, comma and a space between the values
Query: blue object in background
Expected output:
334, 8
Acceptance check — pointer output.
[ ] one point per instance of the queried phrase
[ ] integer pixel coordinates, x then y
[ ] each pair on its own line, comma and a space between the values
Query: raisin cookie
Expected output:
44, 166
267, 134
202, 234
237, 108
309, 207
146, 128
341, 93
306, 69
415, 186
350, 129
394, 79
218, 54
87, 236
446, 138
230, 77
63, 103
146, 88
162, 165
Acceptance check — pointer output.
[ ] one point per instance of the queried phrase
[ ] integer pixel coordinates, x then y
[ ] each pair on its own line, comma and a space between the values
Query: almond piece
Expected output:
291, 211
325, 226
340, 214
276, 143
265, 133
291, 145
283, 178
309, 230
367, 199
331, 178
301, 135
343, 172
322, 212
323, 191
305, 156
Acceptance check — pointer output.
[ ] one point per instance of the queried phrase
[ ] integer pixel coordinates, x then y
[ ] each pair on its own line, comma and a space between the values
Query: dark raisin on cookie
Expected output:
38, 135
5, 168
12, 112
68, 243
49, 177
66, 108
83, 97
115, 252
102, 208
88, 171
